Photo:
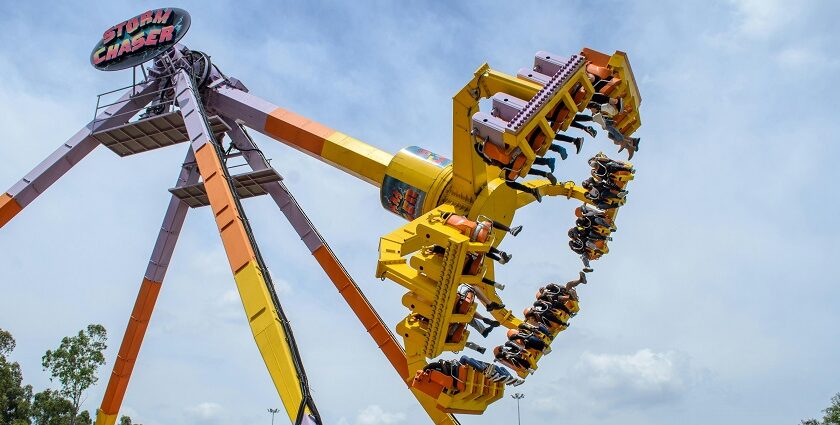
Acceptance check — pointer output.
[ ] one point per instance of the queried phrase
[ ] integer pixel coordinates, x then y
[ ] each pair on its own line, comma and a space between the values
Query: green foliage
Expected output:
84, 418
50, 408
831, 414
15, 398
75, 363
126, 420
7, 343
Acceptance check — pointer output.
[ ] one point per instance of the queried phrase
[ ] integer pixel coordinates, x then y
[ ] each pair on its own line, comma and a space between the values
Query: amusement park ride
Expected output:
459, 210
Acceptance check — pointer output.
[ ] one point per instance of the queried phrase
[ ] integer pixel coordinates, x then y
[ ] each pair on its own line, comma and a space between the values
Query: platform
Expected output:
247, 185
152, 133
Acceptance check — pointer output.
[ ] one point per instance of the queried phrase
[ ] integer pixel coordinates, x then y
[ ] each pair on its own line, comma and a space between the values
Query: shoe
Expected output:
491, 322
505, 257
591, 130
537, 195
582, 278
578, 144
551, 178
551, 163
485, 333
494, 306
515, 230
560, 150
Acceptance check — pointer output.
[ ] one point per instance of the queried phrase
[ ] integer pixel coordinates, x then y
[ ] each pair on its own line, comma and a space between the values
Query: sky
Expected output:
716, 304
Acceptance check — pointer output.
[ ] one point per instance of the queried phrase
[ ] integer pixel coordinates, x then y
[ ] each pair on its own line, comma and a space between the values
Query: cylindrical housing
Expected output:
414, 181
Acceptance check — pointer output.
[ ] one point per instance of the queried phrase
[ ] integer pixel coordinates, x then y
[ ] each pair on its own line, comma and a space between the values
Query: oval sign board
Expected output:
140, 39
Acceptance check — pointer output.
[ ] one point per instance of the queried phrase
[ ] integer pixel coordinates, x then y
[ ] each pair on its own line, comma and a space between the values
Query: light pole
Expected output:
273, 412
517, 397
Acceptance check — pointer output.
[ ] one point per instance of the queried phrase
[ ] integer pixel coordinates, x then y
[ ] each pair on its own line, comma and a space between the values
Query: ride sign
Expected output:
139, 39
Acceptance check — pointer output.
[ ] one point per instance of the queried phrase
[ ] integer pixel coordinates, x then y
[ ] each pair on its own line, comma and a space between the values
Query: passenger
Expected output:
609, 107
576, 141
579, 118
478, 231
587, 235
606, 166
537, 329
512, 164
591, 225
542, 312
551, 177
550, 162
492, 283
604, 197
514, 357
592, 217
587, 268
554, 292
558, 301
605, 184
446, 367
605, 119
492, 372
474, 346
577, 246
560, 150
527, 189
494, 306
499, 256
570, 289
478, 323
589, 249
528, 340
570, 285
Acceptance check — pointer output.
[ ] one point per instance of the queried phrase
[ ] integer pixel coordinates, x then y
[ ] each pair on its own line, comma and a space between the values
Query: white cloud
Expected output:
206, 411
761, 18
613, 382
645, 375
375, 415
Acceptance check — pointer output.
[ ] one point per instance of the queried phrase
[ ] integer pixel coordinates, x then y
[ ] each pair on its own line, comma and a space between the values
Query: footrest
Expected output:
151, 133
247, 185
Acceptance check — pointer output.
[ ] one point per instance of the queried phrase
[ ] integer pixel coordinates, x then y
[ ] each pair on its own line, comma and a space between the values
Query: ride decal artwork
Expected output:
430, 156
402, 198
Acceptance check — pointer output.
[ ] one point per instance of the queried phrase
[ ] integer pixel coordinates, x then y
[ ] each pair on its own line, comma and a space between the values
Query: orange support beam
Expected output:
130, 346
8, 208
298, 130
364, 311
234, 238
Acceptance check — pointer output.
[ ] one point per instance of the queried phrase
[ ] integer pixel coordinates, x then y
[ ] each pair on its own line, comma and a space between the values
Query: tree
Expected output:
15, 398
50, 408
126, 420
74, 364
831, 414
